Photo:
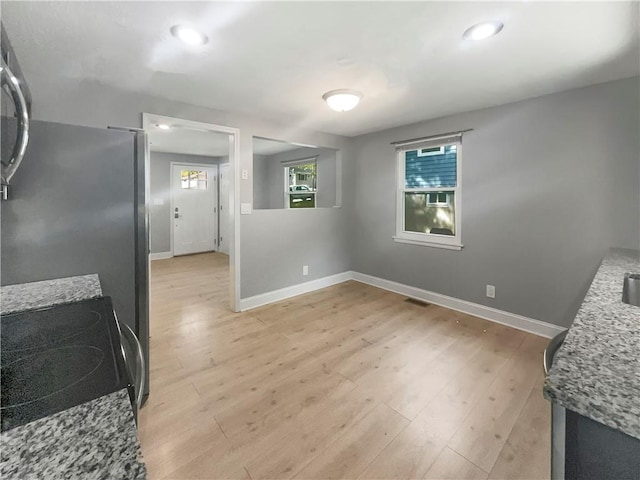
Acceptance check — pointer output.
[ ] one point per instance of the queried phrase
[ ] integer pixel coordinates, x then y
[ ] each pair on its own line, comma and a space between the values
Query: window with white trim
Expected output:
428, 196
300, 178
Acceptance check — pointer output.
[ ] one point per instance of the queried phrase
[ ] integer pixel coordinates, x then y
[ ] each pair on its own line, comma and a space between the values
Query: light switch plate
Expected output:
245, 208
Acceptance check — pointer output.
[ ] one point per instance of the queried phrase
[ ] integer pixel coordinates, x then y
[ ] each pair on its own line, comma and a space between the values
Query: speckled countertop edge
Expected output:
596, 372
95, 440
27, 296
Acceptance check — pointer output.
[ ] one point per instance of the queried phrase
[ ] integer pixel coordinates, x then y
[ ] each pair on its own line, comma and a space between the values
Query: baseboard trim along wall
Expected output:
160, 255
526, 324
292, 291
519, 322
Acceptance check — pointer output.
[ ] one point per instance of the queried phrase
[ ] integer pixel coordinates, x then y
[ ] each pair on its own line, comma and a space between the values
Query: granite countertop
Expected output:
95, 440
596, 372
27, 296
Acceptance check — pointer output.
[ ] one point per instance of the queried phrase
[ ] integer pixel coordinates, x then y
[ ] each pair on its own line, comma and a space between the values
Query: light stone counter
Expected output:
28, 296
596, 372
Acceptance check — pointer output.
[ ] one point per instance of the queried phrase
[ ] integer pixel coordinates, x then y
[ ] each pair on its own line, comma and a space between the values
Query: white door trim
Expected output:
171, 209
148, 120
225, 164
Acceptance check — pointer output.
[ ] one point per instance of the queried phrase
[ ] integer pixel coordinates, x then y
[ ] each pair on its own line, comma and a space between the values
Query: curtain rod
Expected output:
431, 137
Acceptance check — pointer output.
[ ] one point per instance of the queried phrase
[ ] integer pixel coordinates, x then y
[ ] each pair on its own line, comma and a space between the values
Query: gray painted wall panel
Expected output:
260, 182
311, 237
548, 185
160, 189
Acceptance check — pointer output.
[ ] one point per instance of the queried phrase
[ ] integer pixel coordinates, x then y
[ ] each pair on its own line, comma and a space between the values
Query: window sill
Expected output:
425, 243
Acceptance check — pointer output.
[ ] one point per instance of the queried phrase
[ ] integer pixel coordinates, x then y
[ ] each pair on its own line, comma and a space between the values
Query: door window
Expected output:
194, 179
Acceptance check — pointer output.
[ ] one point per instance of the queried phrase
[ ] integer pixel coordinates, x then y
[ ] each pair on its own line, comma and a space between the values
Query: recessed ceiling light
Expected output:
189, 35
483, 30
163, 126
342, 100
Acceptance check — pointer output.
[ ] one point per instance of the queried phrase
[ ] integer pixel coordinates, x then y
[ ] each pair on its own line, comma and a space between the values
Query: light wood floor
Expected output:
347, 382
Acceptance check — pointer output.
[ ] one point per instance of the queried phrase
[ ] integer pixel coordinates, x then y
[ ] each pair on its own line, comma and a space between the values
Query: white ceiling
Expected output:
276, 59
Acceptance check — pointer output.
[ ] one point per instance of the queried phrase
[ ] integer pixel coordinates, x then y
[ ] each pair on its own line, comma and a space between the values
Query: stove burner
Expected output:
39, 376
19, 332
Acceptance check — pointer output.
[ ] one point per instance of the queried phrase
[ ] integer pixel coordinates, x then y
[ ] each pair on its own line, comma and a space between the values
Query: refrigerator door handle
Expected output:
10, 166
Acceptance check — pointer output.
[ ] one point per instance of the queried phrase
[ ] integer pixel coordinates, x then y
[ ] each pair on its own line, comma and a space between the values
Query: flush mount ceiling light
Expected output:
342, 100
163, 126
188, 35
483, 30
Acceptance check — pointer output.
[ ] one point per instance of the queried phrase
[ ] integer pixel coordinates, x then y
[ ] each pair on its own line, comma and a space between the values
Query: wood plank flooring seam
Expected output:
520, 413
467, 459
399, 413
249, 474
220, 427
390, 442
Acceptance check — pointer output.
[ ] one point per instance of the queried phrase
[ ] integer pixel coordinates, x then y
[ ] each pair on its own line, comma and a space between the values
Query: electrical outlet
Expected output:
245, 174
305, 270
491, 291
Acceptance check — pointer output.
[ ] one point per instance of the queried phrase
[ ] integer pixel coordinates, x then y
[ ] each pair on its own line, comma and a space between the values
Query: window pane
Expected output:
302, 178
431, 171
421, 215
199, 179
194, 179
307, 200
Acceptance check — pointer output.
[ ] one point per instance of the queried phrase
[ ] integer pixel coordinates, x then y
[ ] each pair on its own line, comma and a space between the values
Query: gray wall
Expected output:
260, 182
548, 185
266, 241
160, 186
268, 181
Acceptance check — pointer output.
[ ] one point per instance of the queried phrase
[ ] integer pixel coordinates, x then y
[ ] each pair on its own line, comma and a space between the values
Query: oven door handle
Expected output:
139, 380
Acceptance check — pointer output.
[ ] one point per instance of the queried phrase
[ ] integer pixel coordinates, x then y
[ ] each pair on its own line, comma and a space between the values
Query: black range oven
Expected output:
58, 357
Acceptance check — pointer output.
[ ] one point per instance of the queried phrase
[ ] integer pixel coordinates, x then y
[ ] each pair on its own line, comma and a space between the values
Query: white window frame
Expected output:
451, 242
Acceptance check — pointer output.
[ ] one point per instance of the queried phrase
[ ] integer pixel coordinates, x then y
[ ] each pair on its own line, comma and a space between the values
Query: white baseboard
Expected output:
160, 255
519, 322
292, 291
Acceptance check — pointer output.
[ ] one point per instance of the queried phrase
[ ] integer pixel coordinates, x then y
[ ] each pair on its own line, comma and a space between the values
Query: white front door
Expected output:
193, 191
224, 208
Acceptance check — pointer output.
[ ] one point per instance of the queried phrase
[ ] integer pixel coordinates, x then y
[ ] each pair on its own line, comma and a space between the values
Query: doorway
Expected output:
191, 197
194, 207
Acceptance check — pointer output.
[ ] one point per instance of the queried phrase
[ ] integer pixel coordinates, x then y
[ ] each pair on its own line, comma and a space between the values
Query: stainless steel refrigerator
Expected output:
77, 206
